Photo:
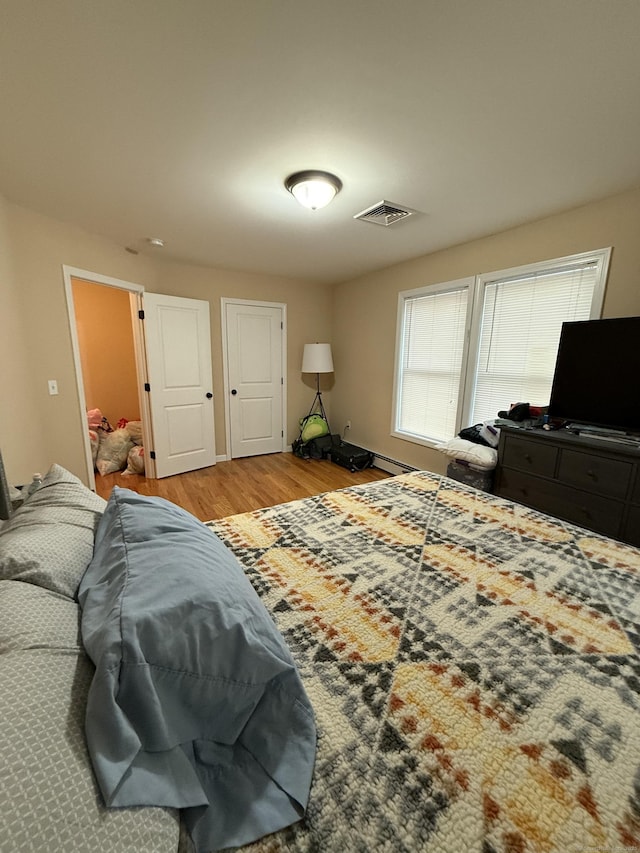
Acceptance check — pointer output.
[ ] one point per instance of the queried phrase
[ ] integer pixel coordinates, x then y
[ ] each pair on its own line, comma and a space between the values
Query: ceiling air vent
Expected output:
384, 213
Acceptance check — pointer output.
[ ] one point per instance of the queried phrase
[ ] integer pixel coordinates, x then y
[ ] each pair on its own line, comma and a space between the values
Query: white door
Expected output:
255, 377
178, 345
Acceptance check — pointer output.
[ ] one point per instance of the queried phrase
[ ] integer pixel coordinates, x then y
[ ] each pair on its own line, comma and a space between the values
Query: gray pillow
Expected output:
48, 541
35, 618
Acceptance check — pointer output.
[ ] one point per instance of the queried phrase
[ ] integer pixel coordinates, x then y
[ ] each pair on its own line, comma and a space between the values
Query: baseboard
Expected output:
385, 463
391, 466
224, 458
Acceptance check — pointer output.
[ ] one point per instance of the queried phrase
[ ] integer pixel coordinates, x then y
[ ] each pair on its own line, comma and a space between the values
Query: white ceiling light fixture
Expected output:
156, 242
313, 189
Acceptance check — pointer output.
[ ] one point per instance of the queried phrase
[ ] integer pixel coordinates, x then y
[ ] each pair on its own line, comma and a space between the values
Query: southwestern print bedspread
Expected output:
473, 666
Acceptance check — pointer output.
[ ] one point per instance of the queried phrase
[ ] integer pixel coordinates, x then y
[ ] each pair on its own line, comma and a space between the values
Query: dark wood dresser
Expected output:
589, 481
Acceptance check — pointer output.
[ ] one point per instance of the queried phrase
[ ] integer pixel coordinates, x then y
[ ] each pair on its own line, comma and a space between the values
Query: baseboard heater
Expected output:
391, 466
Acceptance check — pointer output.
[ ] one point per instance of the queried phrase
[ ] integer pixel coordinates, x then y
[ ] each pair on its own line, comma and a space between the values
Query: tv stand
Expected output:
588, 479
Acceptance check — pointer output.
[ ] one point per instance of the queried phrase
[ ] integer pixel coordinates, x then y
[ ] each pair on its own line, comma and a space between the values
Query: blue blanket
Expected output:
196, 702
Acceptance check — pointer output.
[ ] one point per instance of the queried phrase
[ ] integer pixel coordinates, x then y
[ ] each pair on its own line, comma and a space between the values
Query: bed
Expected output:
472, 666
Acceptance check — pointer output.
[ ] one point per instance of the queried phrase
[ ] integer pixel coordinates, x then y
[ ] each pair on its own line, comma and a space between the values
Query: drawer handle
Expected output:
592, 474
585, 512
527, 457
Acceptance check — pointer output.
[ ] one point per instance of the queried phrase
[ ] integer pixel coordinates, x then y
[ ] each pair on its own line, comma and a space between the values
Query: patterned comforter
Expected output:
473, 666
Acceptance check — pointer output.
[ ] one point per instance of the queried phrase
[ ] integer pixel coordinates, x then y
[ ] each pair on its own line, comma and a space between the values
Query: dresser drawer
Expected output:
632, 526
635, 495
595, 473
593, 511
526, 455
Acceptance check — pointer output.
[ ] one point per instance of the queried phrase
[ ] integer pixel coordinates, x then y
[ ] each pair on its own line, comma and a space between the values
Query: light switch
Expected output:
53, 386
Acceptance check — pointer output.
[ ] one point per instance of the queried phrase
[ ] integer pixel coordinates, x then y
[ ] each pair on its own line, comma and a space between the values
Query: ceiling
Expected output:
181, 119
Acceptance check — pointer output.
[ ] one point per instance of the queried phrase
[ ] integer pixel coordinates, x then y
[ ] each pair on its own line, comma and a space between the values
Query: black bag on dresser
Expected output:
351, 457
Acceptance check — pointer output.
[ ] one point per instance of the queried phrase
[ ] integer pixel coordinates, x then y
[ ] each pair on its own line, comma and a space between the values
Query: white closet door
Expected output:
254, 336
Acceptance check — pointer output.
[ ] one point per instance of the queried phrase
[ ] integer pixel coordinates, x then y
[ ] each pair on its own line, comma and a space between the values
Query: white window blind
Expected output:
514, 317
519, 334
430, 363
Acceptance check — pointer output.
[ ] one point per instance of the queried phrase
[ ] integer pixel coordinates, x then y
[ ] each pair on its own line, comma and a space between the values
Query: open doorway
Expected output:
171, 341
110, 366
109, 374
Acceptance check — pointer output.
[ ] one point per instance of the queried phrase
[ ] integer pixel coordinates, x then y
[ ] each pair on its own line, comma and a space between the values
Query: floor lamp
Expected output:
317, 359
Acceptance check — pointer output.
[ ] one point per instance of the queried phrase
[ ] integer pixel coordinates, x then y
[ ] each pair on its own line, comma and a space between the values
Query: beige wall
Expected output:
40, 247
37, 429
21, 423
107, 353
364, 351
358, 317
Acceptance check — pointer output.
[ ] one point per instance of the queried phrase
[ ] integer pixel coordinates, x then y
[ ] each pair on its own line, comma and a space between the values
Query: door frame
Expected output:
135, 298
260, 303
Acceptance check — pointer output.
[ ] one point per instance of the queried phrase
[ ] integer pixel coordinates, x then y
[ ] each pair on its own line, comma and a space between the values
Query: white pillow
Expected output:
477, 455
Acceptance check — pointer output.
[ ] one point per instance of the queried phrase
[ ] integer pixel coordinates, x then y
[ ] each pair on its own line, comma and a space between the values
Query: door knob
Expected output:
234, 392
209, 395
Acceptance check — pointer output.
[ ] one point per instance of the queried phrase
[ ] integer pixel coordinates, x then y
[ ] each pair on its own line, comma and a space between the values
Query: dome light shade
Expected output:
313, 189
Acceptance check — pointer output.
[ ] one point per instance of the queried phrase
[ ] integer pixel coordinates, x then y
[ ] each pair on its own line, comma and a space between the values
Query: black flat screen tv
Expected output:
597, 375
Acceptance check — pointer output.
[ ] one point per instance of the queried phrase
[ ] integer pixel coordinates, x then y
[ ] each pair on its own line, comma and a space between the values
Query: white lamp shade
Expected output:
317, 358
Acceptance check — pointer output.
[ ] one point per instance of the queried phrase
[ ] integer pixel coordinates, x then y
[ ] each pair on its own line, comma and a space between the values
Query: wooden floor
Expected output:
242, 485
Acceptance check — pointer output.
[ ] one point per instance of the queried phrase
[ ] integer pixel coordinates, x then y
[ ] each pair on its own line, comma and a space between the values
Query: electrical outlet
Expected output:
347, 425
53, 386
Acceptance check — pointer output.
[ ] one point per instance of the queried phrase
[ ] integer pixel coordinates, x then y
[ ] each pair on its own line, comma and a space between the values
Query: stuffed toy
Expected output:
313, 426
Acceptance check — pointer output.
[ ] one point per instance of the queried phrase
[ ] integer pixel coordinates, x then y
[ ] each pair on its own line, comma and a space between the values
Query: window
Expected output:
468, 349
434, 330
